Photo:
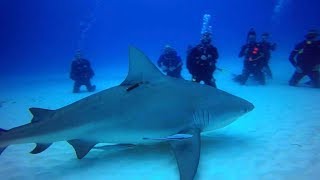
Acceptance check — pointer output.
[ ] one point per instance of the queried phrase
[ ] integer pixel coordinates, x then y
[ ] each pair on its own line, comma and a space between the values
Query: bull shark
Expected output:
147, 107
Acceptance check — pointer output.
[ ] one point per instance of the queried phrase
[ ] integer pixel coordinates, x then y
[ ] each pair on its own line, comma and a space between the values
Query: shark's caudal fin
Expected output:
141, 69
2, 148
187, 153
38, 115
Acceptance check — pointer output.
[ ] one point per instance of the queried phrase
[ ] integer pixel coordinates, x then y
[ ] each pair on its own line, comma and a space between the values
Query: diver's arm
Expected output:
292, 56
215, 54
72, 71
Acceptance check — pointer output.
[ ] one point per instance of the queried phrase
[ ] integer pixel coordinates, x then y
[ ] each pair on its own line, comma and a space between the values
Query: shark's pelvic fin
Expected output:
1, 132
141, 69
82, 147
40, 148
40, 114
187, 153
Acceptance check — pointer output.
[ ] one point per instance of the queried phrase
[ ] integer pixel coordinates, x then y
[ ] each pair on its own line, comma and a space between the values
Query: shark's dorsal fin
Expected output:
40, 114
141, 69
187, 153
81, 147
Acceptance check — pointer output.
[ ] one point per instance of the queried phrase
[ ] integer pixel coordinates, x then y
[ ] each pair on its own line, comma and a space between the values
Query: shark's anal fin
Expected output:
40, 148
187, 153
40, 114
81, 147
1, 132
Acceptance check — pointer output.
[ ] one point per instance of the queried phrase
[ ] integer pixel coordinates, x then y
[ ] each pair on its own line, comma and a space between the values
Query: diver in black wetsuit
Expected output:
267, 47
253, 60
201, 61
170, 63
81, 73
306, 59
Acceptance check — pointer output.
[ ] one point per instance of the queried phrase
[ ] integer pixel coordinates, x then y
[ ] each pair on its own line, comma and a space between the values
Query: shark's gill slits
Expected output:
201, 118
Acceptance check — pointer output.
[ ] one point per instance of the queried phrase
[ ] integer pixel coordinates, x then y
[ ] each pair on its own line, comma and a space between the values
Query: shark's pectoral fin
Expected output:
40, 148
1, 132
171, 138
187, 153
82, 147
40, 114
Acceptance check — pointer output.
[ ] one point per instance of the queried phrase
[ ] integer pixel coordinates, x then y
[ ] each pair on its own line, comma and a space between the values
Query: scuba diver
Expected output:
253, 60
306, 59
201, 61
267, 47
170, 63
81, 73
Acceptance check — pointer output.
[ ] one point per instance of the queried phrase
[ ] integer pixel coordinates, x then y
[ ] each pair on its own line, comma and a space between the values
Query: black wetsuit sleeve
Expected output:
191, 59
261, 57
215, 54
318, 52
293, 54
90, 70
73, 71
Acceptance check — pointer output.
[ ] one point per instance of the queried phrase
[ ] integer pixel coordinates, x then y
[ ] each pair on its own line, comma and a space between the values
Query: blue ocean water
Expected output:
42, 35
278, 140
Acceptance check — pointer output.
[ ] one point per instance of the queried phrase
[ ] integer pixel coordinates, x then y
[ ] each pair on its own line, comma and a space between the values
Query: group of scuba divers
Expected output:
202, 58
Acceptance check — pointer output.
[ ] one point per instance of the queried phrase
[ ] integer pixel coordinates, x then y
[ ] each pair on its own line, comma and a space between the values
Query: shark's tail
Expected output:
38, 115
2, 148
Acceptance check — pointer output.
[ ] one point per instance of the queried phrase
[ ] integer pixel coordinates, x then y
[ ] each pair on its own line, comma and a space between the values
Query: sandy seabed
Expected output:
278, 140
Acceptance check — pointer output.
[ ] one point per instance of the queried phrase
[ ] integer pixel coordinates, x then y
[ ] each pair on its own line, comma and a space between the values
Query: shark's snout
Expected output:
249, 107
246, 106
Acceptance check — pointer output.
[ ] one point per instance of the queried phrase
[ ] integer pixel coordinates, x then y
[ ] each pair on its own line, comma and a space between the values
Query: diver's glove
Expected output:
298, 69
316, 68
